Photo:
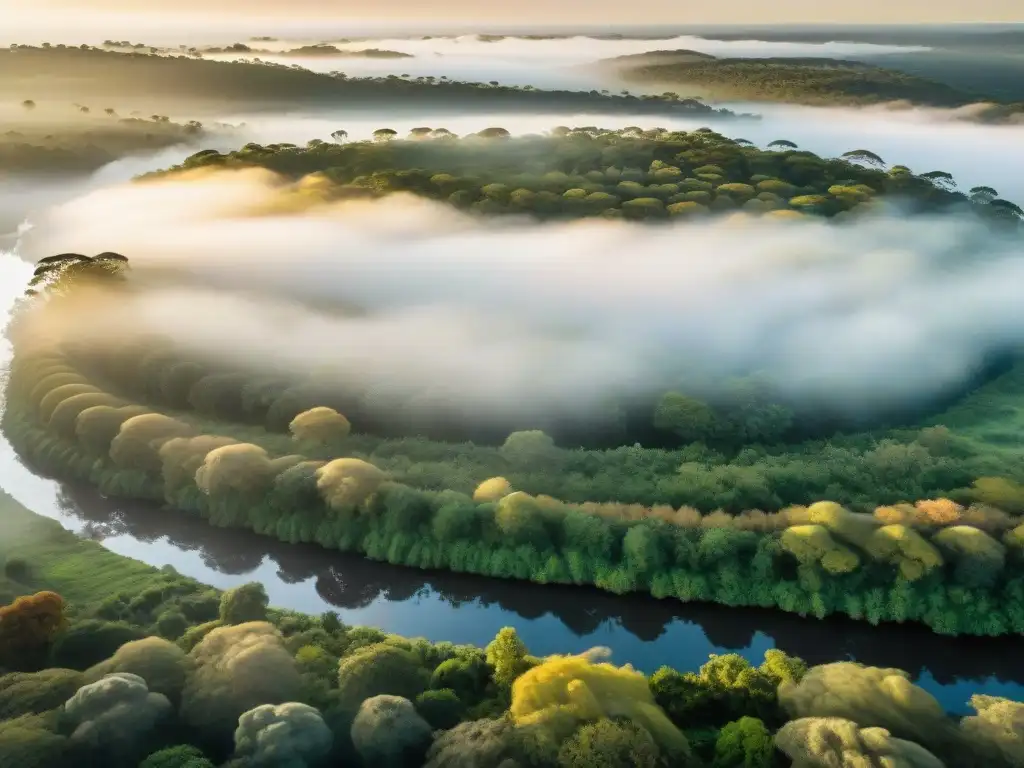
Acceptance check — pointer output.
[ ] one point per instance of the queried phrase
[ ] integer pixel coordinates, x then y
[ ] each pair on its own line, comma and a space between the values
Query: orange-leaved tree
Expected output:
29, 625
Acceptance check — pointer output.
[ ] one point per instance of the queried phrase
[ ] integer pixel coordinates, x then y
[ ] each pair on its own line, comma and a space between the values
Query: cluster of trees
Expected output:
954, 568
83, 145
731, 456
801, 81
181, 676
84, 72
587, 171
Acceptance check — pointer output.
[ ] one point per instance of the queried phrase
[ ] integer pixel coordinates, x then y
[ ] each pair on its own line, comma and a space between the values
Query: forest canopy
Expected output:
631, 173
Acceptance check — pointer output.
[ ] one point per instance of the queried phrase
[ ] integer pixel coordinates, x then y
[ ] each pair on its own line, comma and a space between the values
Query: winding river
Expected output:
640, 630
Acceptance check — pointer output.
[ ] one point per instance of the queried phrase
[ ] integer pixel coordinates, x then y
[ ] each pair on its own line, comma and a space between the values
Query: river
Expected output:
640, 630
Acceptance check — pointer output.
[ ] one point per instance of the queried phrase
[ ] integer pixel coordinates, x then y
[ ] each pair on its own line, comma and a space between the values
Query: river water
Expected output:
640, 630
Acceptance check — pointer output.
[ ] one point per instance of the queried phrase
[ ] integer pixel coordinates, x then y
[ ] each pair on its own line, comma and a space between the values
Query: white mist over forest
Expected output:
559, 63
924, 139
512, 319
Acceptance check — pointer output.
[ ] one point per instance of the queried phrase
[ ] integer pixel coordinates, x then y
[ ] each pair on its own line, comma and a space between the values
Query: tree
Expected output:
28, 104
941, 179
182, 756
528, 446
1006, 205
244, 603
744, 743
783, 143
384, 134
441, 708
610, 744
506, 653
61, 273
110, 112
380, 669
983, 194
29, 625
320, 425
692, 420
388, 732
340, 136
494, 133
290, 734
864, 156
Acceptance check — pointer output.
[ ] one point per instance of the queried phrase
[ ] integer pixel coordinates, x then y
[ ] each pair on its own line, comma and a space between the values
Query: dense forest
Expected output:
105, 661
89, 74
141, 422
813, 80
588, 171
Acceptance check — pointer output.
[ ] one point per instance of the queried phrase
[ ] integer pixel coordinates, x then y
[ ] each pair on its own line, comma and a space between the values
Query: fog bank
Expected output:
507, 318
543, 63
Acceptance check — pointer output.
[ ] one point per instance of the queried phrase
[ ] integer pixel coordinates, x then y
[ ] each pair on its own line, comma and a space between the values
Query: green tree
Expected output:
610, 744
181, 756
690, 419
506, 654
244, 603
744, 743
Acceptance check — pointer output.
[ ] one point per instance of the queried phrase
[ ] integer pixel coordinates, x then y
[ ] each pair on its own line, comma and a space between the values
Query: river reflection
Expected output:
466, 609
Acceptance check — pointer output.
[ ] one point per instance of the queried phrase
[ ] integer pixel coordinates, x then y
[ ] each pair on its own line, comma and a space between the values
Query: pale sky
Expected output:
541, 12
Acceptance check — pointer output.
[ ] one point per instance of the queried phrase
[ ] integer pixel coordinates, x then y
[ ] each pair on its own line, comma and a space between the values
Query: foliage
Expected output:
289, 735
29, 625
182, 756
380, 669
564, 691
744, 743
245, 603
609, 744
387, 731
592, 172
828, 741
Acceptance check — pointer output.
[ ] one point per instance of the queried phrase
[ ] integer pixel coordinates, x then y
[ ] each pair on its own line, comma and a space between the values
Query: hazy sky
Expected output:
566, 11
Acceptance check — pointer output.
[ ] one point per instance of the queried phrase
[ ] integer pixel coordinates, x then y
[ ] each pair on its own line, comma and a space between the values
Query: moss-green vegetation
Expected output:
587, 171
121, 684
89, 74
817, 81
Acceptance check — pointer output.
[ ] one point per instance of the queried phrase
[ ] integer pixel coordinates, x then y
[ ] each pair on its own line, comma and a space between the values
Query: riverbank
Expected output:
47, 557
816, 561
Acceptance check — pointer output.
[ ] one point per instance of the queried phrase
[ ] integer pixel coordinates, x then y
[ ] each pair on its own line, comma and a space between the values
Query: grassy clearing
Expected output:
81, 571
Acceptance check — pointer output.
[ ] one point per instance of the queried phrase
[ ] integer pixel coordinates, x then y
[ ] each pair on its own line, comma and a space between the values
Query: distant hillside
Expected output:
309, 51
659, 58
198, 85
799, 81
329, 51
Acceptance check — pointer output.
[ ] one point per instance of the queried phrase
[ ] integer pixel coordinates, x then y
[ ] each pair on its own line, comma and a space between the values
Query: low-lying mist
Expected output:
549, 63
421, 307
